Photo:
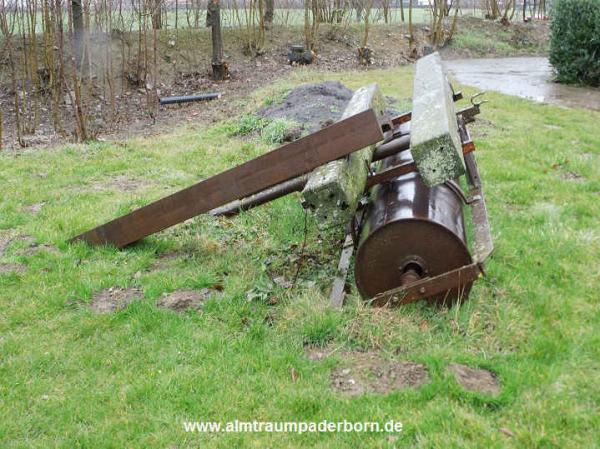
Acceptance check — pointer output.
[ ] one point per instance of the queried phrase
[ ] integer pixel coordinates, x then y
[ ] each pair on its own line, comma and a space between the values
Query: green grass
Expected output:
480, 43
69, 378
488, 38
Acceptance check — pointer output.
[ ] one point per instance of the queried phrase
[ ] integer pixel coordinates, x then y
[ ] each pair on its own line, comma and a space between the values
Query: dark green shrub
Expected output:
575, 41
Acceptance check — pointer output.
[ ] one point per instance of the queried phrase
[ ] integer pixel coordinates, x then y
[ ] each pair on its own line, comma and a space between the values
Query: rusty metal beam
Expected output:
277, 166
262, 197
390, 173
297, 184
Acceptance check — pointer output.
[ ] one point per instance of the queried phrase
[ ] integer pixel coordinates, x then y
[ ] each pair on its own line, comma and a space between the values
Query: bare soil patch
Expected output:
114, 299
186, 299
316, 354
121, 183
8, 239
12, 268
34, 248
4, 242
164, 260
367, 372
572, 176
34, 208
475, 379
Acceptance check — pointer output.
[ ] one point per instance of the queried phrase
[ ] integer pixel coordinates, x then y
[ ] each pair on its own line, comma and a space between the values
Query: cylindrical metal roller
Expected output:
410, 231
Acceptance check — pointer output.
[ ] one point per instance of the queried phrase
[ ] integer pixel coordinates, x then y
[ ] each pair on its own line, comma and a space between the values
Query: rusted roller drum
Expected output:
411, 231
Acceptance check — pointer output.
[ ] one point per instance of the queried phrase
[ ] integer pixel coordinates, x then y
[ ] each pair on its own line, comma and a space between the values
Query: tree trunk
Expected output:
213, 19
157, 14
78, 31
269, 10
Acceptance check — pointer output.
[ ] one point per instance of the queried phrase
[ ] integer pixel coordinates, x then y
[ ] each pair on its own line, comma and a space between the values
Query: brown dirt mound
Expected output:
182, 300
367, 372
312, 105
474, 379
114, 299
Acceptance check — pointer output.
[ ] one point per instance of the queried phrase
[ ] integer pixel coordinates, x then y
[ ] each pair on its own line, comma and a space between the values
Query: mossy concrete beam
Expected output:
333, 191
434, 140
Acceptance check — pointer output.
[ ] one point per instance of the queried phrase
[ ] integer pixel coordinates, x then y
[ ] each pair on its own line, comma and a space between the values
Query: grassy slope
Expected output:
69, 378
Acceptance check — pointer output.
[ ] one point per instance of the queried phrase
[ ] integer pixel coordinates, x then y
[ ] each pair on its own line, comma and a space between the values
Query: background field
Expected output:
70, 378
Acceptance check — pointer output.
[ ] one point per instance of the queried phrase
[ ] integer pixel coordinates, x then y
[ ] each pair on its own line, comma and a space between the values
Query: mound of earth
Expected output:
182, 300
368, 372
478, 380
114, 299
311, 105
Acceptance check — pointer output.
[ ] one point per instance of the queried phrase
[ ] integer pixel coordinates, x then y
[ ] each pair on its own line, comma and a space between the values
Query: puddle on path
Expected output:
527, 77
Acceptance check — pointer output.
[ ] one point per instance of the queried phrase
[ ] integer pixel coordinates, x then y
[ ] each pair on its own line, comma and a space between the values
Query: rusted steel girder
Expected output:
386, 149
297, 184
268, 170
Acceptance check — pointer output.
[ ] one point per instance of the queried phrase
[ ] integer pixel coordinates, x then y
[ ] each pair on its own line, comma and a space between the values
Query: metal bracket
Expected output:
430, 286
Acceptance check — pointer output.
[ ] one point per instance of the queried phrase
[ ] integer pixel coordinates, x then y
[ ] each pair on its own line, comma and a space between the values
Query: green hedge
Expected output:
575, 41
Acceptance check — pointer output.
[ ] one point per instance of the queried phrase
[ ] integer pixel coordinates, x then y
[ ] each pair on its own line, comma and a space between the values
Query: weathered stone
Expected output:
333, 190
434, 139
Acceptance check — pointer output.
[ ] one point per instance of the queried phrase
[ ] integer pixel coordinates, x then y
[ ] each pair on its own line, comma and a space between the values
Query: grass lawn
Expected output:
70, 378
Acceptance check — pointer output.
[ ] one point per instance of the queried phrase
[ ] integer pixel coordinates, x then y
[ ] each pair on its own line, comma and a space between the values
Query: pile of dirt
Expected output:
114, 299
312, 105
186, 299
477, 380
368, 372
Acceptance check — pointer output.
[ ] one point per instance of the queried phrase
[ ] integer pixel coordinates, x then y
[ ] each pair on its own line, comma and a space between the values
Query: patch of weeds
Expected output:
276, 98
247, 124
262, 291
280, 130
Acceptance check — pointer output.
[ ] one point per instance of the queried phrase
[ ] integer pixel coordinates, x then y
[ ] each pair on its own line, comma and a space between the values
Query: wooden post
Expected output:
220, 69
333, 190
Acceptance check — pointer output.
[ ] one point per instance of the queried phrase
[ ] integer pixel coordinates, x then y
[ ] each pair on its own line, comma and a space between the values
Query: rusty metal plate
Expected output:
451, 285
282, 164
